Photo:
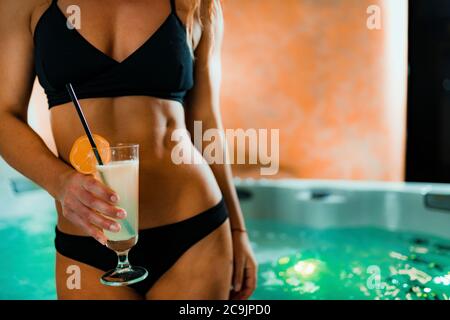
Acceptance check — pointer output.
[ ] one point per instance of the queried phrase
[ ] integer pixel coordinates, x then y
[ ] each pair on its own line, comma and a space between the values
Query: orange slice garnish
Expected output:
82, 156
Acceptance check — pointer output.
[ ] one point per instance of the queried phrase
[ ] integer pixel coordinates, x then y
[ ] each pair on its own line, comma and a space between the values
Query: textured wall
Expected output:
312, 69
335, 89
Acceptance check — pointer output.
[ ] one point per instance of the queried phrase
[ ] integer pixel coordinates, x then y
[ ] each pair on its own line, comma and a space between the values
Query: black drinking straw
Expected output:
75, 101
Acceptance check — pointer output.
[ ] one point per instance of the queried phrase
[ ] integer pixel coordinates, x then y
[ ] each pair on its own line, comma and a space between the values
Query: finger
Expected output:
98, 220
249, 283
238, 274
252, 274
234, 295
250, 279
100, 190
239, 295
90, 229
90, 201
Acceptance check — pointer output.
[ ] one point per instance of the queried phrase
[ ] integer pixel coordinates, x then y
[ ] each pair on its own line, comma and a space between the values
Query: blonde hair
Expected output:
200, 11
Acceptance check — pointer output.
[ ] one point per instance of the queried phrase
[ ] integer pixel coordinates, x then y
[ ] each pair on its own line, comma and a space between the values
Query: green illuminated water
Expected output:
28, 259
294, 263
359, 263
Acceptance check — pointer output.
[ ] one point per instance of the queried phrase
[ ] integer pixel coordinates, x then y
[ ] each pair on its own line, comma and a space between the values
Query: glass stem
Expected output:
123, 260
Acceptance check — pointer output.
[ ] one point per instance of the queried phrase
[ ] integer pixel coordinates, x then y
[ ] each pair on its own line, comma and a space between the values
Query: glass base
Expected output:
124, 277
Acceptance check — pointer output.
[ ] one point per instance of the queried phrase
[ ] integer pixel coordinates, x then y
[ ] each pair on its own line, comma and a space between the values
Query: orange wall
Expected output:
334, 88
312, 69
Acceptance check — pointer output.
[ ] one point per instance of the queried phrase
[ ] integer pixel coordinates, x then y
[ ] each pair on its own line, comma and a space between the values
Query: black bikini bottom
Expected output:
156, 250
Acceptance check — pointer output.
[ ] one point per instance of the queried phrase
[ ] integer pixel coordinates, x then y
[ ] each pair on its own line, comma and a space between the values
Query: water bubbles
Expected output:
397, 255
293, 281
270, 279
283, 260
305, 268
421, 250
333, 264
357, 270
444, 280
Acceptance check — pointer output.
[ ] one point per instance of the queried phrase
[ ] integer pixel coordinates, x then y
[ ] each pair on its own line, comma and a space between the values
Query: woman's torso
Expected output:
168, 192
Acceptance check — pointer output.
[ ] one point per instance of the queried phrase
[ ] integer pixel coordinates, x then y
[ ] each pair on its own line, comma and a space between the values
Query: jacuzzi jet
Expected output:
305, 268
319, 195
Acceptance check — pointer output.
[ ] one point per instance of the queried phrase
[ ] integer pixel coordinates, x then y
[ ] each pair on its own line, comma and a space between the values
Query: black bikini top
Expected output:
162, 67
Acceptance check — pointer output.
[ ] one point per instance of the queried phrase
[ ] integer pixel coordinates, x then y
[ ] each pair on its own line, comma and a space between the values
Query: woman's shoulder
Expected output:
23, 6
38, 7
23, 11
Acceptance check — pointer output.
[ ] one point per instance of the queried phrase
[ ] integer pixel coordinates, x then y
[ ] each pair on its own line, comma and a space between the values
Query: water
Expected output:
294, 263
28, 259
359, 263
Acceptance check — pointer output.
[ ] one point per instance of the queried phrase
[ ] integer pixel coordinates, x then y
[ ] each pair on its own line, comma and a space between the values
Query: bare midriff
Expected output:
168, 192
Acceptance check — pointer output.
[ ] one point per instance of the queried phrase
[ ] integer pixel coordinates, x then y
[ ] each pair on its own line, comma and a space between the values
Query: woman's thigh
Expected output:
203, 272
76, 280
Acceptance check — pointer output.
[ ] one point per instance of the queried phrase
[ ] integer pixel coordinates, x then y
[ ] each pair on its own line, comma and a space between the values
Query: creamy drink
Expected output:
123, 177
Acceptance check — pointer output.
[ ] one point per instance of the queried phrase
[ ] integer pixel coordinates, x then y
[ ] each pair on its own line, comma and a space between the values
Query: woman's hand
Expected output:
244, 267
87, 203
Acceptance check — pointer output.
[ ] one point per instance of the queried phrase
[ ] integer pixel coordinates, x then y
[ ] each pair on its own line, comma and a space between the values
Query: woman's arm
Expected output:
204, 106
22, 148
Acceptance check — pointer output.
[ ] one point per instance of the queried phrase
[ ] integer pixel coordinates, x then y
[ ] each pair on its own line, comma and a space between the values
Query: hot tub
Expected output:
349, 240
313, 240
